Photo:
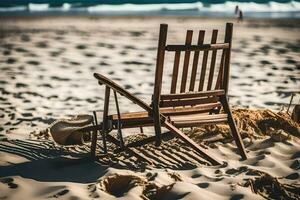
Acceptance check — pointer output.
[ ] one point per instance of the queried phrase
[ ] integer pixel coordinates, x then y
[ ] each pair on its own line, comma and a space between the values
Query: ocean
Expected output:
208, 8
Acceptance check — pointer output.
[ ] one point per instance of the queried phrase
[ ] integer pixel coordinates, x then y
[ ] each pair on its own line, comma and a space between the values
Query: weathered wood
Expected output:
175, 72
94, 137
114, 86
120, 135
213, 60
192, 95
228, 39
104, 118
195, 123
188, 41
195, 61
237, 137
221, 71
158, 80
188, 102
197, 117
203, 47
166, 111
203, 70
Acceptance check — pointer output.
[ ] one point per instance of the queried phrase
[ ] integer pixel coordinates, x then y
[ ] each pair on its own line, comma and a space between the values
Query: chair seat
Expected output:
181, 116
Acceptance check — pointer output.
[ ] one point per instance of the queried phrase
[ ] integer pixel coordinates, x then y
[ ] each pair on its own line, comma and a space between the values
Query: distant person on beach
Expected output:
238, 13
236, 10
240, 16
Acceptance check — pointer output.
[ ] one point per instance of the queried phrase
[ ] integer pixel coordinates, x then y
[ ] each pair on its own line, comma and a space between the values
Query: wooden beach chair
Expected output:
186, 105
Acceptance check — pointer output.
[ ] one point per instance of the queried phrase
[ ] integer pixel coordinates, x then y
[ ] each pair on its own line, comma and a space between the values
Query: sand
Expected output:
46, 74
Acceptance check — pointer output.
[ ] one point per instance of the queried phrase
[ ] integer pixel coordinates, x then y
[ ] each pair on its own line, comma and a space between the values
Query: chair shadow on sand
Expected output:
49, 163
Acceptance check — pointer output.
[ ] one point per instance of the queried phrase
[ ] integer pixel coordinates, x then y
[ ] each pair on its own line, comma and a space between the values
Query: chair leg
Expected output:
157, 125
93, 145
94, 142
237, 137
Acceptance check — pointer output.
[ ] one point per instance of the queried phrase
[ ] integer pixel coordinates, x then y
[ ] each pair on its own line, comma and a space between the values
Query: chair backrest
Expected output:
189, 72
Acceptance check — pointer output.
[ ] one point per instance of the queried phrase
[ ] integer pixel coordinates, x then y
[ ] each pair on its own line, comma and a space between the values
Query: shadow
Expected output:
47, 162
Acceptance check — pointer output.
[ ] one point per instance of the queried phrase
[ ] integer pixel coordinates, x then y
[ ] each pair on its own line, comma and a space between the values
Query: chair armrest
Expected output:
114, 86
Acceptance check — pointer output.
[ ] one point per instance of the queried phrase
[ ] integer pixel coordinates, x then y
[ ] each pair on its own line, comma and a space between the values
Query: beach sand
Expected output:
46, 72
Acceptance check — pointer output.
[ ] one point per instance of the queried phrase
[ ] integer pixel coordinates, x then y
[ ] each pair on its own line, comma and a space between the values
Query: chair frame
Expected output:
163, 106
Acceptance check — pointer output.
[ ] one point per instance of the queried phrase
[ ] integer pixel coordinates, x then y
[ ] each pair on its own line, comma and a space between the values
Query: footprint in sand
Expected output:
104, 64
237, 197
257, 38
293, 176
21, 50
89, 55
9, 182
6, 52
55, 53
11, 60
21, 85
136, 33
41, 44
25, 38
74, 63
295, 165
265, 62
109, 46
33, 62
129, 47
123, 53
290, 61
81, 46
136, 63
203, 185
281, 50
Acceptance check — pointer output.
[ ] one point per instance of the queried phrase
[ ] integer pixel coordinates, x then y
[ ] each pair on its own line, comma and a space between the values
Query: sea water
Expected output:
213, 8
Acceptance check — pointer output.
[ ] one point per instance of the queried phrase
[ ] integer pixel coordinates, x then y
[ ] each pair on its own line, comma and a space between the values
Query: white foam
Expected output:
66, 6
145, 7
33, 7
228, 6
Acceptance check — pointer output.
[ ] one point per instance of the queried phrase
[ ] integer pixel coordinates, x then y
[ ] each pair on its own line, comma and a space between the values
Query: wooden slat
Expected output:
234, 131
213, 60
195, 61
221, 69
203, 70
109, 83
184, 124
190, 110
167, 112
190, 102
203, 47
228, 38
197, 117
192, 95
139, 116
175, 72
185, 69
